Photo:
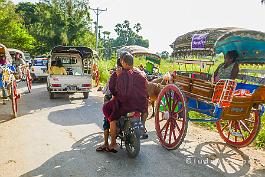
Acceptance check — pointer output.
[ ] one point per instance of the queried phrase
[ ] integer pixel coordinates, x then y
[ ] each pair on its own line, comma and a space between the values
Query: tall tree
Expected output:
127, 36
58, 22
13, 33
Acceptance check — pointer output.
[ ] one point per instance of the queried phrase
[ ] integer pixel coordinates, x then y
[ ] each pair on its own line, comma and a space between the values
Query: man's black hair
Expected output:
233, 55
127, 58
119, 62
119, 59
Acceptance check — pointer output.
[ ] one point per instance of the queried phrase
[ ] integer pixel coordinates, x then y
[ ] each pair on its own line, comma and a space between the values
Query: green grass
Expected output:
167, 65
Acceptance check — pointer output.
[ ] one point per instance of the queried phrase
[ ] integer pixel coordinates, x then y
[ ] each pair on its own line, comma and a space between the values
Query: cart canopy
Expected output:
136, 50
14, 51
249, 44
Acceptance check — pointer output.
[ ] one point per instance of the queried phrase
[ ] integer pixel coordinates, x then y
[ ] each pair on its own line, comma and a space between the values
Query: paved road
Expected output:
58, 138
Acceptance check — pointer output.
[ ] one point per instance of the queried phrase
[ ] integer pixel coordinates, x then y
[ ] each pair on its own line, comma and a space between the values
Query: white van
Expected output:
38, 69
77, 62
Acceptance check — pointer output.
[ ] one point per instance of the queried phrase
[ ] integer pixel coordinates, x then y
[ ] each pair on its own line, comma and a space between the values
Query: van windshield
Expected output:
40, 62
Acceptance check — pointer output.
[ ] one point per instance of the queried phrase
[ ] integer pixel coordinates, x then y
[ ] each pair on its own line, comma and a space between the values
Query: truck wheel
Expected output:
48, 87
85, 95
51, 95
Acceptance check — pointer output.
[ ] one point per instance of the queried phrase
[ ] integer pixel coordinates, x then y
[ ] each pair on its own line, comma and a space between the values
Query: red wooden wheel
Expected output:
240, 133
14, 98
171, 117
29, 80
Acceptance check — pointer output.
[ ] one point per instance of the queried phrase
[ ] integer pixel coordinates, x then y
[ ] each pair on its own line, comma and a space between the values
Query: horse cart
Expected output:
152, 60
22, 67
8, 84
235, 106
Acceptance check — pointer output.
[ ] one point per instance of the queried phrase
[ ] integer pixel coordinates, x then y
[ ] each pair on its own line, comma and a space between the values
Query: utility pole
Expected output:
97, 12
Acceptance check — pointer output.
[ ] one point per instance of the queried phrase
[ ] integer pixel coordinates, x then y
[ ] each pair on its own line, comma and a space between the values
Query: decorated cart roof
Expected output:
83, 51
136, 50
13, 51
3, 50
249, 44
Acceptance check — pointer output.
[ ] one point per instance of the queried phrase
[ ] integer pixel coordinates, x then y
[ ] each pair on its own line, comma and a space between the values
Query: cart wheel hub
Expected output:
236, 134
166, 115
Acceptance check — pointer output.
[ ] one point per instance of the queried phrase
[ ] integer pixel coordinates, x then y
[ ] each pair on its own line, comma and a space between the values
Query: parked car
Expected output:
38, 69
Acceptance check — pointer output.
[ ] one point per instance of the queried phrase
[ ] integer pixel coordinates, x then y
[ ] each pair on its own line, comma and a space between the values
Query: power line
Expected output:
97, 12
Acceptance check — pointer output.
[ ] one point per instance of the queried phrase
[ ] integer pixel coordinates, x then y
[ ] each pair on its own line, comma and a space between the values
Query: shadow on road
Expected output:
153, 160
89, 112
223, 158
219, 156
37, 100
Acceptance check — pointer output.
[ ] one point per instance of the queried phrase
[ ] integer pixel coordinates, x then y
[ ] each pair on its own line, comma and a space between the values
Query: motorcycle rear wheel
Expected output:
132, 143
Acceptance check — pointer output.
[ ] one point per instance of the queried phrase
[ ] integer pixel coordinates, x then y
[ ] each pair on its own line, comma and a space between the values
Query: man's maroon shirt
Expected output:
131, 92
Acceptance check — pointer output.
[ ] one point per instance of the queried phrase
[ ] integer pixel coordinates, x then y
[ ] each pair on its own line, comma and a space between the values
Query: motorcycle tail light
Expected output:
134, 114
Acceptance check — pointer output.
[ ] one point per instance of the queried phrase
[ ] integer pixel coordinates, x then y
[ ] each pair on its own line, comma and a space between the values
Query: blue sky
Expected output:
163, 21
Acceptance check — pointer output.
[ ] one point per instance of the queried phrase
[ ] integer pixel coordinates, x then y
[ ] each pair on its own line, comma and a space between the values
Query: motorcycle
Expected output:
130, 130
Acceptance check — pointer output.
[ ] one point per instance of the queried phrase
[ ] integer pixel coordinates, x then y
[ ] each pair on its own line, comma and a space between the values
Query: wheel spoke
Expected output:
176, 125
174, 135
164, 126
245, 126
165, 136
175, 102
167, 100
226, 126
170, 133
235, 125
228, 134
240, 130
161, 120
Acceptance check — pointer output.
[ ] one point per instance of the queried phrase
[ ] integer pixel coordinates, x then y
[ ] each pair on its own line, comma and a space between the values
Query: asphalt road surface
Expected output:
59, 137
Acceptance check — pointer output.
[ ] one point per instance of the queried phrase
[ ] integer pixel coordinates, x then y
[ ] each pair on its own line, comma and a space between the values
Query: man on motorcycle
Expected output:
130, 94
109, 95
